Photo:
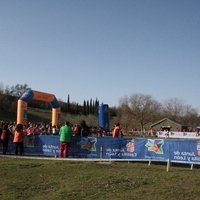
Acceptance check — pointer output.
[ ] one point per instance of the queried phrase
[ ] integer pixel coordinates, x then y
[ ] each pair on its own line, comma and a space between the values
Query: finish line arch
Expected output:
41, 96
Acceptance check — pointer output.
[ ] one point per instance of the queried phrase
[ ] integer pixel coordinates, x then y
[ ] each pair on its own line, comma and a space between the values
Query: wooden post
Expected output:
101, 151
168, 165
191, 166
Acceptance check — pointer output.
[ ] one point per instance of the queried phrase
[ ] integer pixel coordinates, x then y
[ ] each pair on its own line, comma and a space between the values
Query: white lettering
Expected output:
187, 154
180, 157
195, 158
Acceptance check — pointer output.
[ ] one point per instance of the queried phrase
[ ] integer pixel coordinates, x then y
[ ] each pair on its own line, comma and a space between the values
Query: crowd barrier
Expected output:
135, 149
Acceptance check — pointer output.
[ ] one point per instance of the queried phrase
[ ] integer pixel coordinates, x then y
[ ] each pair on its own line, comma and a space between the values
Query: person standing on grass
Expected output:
65, 139
18, 138
84, 131
117, 130
5, 137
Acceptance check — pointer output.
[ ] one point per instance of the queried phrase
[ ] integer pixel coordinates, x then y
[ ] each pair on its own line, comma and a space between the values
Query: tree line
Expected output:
10, 95
143, 110
137, 111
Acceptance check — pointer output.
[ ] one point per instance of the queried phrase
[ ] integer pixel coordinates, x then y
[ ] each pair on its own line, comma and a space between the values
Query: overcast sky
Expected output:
102, 49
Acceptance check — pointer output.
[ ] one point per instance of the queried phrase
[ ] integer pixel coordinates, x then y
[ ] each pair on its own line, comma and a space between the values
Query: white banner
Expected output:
173, 134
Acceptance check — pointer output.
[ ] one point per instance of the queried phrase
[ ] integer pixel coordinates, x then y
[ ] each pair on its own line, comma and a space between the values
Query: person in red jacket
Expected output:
116, 130
5, 138
18, 138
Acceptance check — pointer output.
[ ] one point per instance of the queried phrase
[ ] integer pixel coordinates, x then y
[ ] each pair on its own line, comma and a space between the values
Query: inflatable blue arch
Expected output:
40, 96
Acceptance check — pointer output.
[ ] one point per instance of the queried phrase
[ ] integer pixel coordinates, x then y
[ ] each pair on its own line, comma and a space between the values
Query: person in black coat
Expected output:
84, 130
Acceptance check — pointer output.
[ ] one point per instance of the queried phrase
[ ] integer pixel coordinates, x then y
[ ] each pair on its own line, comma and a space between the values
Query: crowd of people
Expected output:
39, 128
65, 131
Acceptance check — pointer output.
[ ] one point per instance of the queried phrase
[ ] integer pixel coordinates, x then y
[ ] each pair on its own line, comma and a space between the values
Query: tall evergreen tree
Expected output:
96, 107
84, 108
88, 108
68, 104
90, 112
93, 107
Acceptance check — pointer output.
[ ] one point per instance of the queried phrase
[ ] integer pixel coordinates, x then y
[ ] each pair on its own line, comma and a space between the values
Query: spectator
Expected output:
76, 129
37, 129
55, 130
85, 131
18, 138
117, 130
31, 130
144, 132
100, 131
65, 139
48, 129
5, 138
177, 130
43, 130
152, 132
166, 131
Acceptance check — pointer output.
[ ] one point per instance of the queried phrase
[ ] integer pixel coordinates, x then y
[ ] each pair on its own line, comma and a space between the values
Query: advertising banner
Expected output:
172, 134
183, 151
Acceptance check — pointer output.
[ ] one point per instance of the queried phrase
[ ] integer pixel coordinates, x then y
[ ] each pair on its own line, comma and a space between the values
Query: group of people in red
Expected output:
65, 131
18, 131
83, 130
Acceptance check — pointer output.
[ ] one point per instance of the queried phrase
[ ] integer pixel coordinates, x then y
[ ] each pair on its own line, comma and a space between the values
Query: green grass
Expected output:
53, 179
43, 115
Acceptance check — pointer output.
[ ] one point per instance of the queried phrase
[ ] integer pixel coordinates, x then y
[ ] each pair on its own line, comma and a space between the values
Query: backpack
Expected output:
4, 135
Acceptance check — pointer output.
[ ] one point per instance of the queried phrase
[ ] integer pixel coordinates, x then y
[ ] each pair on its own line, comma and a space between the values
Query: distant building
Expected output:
169, 124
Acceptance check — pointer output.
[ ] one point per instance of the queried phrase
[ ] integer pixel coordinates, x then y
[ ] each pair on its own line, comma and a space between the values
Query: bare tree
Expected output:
4, 89
18, 90
140, 108
189, 117
173, 108
1, 88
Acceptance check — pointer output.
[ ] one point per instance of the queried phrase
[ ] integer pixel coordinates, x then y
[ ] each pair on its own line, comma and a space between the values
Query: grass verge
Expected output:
48, 179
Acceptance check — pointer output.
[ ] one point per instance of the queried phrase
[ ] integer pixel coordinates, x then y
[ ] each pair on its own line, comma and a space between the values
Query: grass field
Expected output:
41, 115
61, 179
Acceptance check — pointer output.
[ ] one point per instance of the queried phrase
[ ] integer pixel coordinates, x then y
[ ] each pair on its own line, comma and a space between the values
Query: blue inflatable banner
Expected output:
183, 151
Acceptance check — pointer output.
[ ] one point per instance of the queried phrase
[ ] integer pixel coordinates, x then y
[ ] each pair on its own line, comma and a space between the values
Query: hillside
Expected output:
41, 115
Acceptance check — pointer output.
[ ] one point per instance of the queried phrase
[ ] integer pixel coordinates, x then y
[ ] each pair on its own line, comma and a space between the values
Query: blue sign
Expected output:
115, 148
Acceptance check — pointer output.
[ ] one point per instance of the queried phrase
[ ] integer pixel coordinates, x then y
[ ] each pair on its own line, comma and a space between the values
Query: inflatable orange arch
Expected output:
41, 96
